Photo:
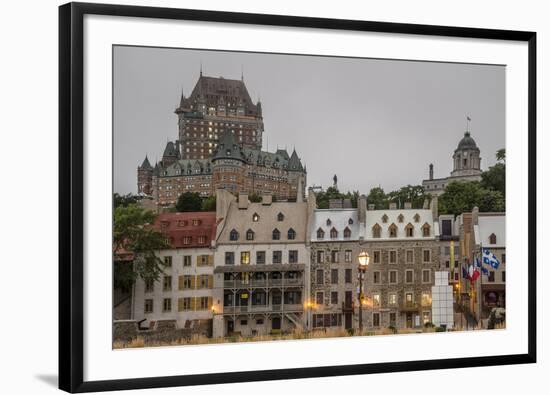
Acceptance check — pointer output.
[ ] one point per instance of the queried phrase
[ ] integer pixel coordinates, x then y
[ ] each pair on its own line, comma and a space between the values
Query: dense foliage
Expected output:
410, 193
323, 197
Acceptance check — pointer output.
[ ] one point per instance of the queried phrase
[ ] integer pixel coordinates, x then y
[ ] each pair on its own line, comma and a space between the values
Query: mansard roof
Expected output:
228, 148
177, 226
339, 220
170, 150
425, 216
184, 166
294, 163
146, 165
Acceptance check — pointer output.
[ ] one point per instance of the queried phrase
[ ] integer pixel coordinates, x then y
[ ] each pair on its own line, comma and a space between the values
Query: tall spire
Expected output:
201, 69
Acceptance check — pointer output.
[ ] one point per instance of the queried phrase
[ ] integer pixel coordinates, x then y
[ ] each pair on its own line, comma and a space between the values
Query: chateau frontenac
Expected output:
219, 146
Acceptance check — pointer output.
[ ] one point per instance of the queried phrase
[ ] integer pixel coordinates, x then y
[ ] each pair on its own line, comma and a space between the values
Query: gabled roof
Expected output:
488, 224
172, 224
146, 165
339, 220
294, 163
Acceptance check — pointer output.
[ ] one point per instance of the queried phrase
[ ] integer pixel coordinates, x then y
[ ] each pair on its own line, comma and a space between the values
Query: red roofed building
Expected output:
184, 291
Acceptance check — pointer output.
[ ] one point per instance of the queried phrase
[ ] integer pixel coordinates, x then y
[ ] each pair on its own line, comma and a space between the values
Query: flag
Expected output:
485, 271
468, 118
473, 273
490, 259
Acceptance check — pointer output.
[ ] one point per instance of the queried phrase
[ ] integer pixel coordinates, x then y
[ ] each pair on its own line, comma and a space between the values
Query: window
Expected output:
392, 230
376, 256
334, 297
426, 230
201, 240
229, 258
291, 234
491, 276
187, 240
249, 234
376, 277
260, 257
425, 317
376, 300
166, 305
492, 239
334, 256
233, 235
168, 261
320, 233
393, 320
348, 274
204, 302
333, 233
409, 275
392, 299
320, 277
393, 276
334, 276
409, 256
447, 250
148, 308
293, 256
503, 258
426, 299
409, 230
260, 321
375, 319
196, 222
204, 281
400, 218
276, 235
277, 256
376, 231
426, 276
426, 256
167, 283
319, 298
416, 218
187, 260
245, 257
184, 304
347, 256
185, 282
280, 217
503, 276
392, 256
384, 218
409, 299
149, 285
320, 256
204, 260
347, 233
350, 221
329, 222
255, 217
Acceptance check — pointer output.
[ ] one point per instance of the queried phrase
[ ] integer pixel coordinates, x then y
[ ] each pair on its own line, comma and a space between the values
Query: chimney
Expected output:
335, 203
372, 206
393, 206
431, 171
347, 203
434, 208
362, 209
243, 201
426, 204
299, 193
475, 215
267, 200
408, 205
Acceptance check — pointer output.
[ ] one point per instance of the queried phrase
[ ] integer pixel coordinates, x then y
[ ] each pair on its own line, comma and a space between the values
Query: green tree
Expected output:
255, 198
501, 155
323, 198
461, 196
378, 197
209, 204
495, 177
132, 231
124, 200
410, 193
189, 201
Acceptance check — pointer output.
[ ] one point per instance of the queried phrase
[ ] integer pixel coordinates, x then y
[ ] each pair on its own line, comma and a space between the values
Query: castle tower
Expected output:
228, 164
145, 177
466, 159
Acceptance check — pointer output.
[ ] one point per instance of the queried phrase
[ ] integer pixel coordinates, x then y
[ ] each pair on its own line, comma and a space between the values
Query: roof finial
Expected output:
201, 69
242, 73
468, 119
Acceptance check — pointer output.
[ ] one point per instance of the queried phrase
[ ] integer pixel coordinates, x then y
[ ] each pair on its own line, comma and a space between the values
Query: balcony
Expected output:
264, 283
294, 308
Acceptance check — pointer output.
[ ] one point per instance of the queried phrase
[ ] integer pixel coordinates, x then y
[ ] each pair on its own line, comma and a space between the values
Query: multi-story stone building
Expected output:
336, 235
404, 248
466, 167
184, 291
450, 257
261, 266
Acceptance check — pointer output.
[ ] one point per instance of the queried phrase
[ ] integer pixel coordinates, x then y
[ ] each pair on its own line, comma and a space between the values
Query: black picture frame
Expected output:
71, 181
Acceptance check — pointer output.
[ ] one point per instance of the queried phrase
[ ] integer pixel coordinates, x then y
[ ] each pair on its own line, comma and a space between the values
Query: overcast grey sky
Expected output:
371, 122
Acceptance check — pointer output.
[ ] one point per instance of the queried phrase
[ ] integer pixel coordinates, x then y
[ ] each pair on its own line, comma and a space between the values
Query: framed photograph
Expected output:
250, 197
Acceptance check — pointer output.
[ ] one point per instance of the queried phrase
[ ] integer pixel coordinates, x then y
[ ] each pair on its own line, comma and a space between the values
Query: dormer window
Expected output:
291, 234
276, 235
376, 230
416, 218
233, 235
392, 230
333, 233
255, 217
384, 218
409, 230
182, 223
249, 234
196, 222
280, 217
350, 221
426, 230
400, 218
320, 233
164, 224
493, 239
347, 233
329, 222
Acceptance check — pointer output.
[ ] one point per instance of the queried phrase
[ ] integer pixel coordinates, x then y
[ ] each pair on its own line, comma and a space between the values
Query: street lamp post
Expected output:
364, 260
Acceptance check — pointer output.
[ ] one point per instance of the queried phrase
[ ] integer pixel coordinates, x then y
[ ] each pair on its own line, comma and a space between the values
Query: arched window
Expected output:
255, 217
333, 233
409, 230
291, 234
329, 222
233, 235
276, 235
280, 217
493, 239
392, 230
320, 233
376, 230
384, 218
347, 233
426, 230
416, 218
400, 218
249, 234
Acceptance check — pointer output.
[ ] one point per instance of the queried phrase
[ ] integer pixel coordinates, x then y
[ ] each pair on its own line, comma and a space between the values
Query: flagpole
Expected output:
480, 284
